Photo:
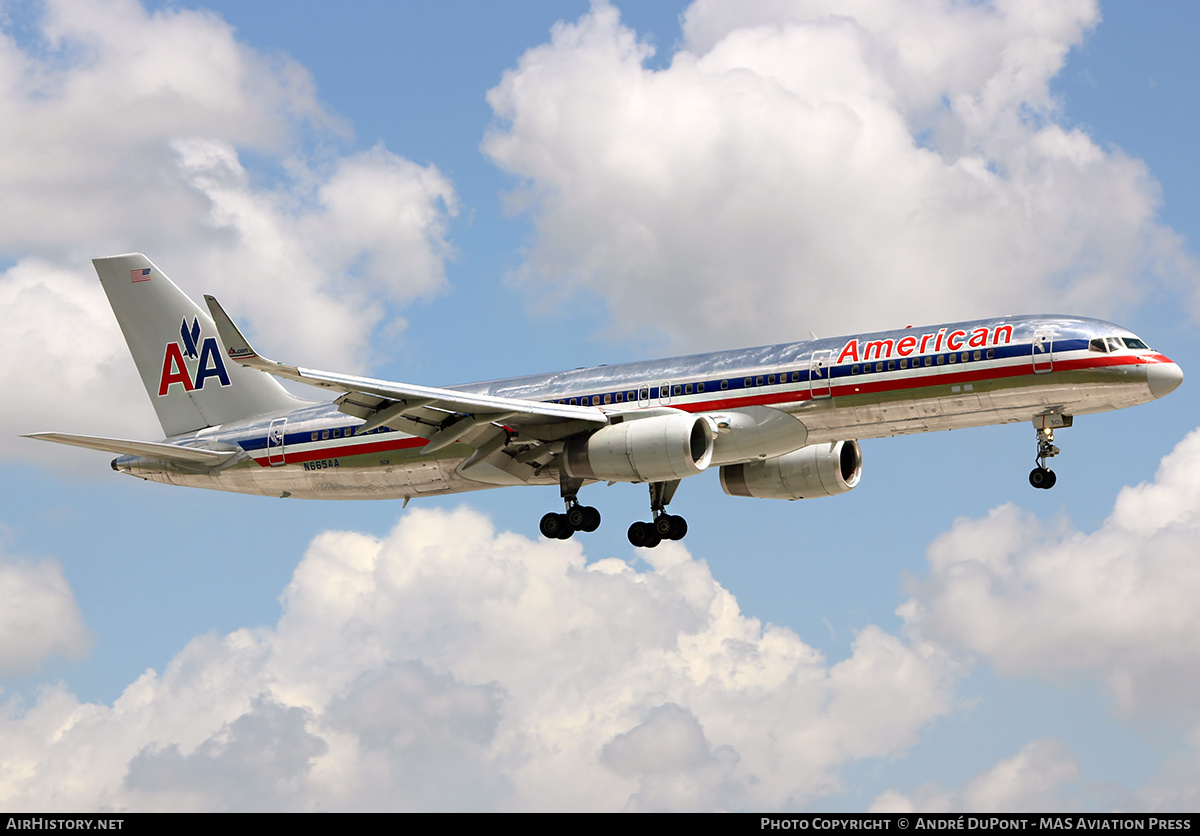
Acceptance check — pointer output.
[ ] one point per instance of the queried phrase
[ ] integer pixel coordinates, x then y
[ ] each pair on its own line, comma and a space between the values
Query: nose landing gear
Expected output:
1042, 476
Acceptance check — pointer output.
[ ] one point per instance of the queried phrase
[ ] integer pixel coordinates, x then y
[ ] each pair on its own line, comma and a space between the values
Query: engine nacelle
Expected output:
656, 449
812, 471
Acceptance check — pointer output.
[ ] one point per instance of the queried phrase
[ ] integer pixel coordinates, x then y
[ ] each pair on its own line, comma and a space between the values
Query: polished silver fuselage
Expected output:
1006, 370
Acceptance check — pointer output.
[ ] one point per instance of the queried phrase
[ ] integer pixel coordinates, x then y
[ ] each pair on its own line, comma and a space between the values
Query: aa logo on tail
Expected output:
206, 358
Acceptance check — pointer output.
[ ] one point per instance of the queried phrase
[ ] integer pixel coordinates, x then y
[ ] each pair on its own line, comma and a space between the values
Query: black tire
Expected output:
1038, 478
639, 533
654, 540
555, 527
577, 517
662, 526
591, 519
567, 528
1051, 479
678, 528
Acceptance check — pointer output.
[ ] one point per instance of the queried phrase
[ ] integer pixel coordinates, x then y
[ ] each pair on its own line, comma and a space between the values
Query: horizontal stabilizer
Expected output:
146, 449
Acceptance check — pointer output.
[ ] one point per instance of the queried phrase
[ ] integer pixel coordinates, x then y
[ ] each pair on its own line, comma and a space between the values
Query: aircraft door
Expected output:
275, 437
1043, 351
819, 384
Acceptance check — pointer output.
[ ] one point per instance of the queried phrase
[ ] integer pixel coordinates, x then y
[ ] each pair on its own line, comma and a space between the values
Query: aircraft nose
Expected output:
1163, 378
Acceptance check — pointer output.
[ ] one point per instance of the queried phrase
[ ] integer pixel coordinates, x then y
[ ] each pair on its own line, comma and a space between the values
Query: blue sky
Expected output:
943, 637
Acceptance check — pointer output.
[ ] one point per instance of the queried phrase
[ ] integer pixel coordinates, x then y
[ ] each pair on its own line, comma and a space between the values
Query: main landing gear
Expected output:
1042, 476
644, 535
577, 518
665, 526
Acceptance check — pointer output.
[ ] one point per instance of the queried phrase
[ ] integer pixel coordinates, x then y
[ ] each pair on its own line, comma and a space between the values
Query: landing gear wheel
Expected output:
643, 535
678, 528
583, 518
662, 525
1043, 478
670, 527
591, 519
556, 527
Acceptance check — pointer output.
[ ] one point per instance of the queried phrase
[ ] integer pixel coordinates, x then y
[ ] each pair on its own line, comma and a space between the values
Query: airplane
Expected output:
779, 421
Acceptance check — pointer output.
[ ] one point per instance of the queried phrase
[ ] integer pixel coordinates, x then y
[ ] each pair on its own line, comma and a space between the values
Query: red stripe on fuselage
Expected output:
347, 450
863, 385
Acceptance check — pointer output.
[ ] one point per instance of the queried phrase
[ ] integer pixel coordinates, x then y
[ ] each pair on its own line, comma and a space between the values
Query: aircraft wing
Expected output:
442, 416
146, 449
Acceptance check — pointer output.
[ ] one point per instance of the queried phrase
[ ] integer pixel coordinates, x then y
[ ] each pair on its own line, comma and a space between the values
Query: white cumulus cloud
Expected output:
38, 615
448, 666
829, 165
1118, 603
1034, 780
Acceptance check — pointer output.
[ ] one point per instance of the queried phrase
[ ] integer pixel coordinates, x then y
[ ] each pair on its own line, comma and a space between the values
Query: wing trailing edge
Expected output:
399, 401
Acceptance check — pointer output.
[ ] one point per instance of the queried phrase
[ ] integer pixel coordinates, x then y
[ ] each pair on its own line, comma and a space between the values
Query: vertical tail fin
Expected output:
178, 353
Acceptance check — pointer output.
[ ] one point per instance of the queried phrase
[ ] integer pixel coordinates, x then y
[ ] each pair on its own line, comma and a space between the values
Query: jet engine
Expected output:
815, 470
656, 449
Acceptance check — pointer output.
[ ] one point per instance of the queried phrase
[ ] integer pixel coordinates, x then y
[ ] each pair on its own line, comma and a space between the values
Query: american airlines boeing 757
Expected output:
779, 421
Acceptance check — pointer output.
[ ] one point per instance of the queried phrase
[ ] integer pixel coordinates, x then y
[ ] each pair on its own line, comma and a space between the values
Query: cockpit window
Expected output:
1098, 345
1114, 344
1135, 343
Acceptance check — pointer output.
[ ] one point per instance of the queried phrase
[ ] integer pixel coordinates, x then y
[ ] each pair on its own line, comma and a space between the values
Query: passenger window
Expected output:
966, 356
620, 397
687, 390
724, 385
771, 380
941, 359
678, 390
795, 377
928, 361
854, 369
978, 355
758, 381
699, 387
747, 383
953, 358
325, 435
991, 354
879, 367
608, 398
314, 436
645, 395
891, 365
574, 402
